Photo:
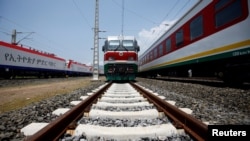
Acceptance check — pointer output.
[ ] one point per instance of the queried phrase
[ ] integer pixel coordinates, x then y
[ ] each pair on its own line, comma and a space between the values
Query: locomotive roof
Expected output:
119, 37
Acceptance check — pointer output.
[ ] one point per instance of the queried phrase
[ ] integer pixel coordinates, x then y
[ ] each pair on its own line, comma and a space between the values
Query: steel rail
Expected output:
194, 127
54, 130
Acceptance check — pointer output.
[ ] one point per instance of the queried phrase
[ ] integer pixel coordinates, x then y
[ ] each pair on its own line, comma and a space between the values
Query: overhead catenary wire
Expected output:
161, 32
171, 9
181, 9
5, 31
147, 19
28, 29
135, 13
79, 10
39, 41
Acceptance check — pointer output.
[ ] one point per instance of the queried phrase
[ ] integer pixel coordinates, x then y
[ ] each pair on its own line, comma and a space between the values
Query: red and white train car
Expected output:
18, 60
211, 39
78, 69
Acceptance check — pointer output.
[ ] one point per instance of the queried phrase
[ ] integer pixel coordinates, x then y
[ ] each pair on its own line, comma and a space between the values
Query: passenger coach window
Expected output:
155, 53
196, 28
227, 11
160, 50
179, 37
168, 45
151, 55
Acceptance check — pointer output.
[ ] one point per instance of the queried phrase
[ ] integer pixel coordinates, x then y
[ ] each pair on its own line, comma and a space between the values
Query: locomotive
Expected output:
17, 60
120, 58
212, 39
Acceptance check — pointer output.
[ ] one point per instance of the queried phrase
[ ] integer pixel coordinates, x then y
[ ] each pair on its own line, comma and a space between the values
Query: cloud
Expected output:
147, 37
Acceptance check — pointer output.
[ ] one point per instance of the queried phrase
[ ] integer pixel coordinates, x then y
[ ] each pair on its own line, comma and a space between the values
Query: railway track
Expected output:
208, 81
123, 111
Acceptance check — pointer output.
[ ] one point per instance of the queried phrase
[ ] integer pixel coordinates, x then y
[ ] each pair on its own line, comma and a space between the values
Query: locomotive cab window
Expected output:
128, 44
113, 44
227, 11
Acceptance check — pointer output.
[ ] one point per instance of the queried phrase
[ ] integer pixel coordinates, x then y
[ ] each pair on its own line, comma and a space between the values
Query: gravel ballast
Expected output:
13, 121
216, 105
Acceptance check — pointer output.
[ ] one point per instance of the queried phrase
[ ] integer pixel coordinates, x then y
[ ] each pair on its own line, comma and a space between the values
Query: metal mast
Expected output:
14, 34
122, 16
13, 37
96, 43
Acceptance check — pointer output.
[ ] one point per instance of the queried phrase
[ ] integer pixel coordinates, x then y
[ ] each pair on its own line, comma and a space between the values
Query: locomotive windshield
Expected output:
118, 44
124, 45
113, 44
128, 44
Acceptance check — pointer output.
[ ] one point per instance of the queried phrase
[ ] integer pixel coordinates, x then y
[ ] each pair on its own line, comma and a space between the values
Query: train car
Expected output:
211, 39
101, 70
17, 60
78, 69
120, 58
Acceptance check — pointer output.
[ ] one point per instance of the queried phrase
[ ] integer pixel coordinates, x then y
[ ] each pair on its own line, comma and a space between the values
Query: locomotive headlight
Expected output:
130, 58
111, 58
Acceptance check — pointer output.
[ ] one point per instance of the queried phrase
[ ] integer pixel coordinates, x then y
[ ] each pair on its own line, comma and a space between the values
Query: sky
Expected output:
65, 27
